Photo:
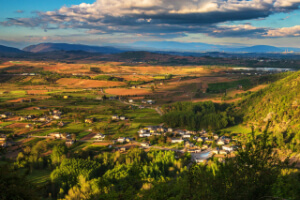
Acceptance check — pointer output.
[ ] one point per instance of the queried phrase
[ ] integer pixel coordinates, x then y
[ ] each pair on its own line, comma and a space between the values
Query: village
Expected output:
200, 144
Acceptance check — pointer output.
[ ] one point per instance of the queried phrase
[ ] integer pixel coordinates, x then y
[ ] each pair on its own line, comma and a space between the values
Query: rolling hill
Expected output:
278, 104
5, 49
49, 47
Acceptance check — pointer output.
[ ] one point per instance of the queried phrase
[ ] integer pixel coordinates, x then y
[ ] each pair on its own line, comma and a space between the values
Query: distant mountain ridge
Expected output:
48, 47
5, 49
171, 47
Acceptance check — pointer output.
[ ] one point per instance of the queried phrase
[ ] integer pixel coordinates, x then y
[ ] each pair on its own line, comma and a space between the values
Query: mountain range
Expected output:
156, 46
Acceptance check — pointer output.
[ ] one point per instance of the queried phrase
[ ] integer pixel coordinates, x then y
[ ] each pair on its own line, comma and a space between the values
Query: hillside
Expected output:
49, 47
280, 104
5, 49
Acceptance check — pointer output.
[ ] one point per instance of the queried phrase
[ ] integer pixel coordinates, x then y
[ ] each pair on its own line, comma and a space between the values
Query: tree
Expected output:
58, 153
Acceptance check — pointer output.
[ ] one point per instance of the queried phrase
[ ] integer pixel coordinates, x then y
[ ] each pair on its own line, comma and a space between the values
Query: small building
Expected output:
3, 137
200, 139
90, 121
170, 130
130, 101
142, 131
186, 136
150, 102
122, 118
122, 149
99, 136
228, 148
121, 140
43, 119
215, 151
23, 118
28, 126
220, 142
223, 152
145, 134
56, 112
145, 144
177, 140
56, 117
115, 117
128, 139
216, 137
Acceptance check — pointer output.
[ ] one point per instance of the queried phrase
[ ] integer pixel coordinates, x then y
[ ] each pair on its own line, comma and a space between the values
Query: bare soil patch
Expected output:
125, 91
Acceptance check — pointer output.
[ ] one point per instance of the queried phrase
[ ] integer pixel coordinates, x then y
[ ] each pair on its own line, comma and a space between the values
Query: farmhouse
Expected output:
145, 144
122, 118
99, 136
150, 102
170, 130
177, 140
228, 148
121, 140
23, 118
186, 136
145, 134
220, 142
28, 126
115, 117
56, 117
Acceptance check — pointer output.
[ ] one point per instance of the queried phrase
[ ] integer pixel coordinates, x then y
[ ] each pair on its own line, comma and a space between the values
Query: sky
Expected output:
123, 22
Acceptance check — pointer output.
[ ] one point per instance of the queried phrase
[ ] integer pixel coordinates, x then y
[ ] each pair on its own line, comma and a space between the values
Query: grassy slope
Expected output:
279, 103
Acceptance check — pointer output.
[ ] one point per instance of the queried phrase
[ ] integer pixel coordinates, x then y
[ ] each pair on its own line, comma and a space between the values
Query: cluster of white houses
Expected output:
186, 136
117, 117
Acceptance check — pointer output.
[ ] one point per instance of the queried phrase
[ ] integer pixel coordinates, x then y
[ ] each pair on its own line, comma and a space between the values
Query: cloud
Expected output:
245, 30
284, 32
160, 17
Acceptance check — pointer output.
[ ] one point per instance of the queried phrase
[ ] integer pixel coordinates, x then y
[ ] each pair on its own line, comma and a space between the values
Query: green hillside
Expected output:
279, 103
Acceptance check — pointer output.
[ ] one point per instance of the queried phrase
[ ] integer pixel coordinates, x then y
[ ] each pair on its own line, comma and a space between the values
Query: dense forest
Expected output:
197, 116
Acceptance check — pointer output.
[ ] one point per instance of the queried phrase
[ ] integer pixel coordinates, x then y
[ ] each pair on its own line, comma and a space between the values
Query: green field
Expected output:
222, 87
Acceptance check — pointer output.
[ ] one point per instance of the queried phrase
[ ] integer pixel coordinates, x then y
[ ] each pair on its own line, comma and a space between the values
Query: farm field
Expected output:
88, 109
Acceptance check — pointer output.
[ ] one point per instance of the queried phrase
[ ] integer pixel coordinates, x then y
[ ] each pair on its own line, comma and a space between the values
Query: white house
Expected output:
56, 117
28, 126
144, 144
144, 134
122, 118
186, 136
99, 136
115, 117
228, 148
220, 142
177, 140
121, 139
